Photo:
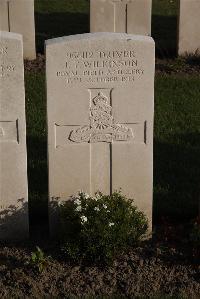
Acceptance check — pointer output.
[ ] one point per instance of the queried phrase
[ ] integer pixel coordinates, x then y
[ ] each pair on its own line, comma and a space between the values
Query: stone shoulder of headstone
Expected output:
100, 106
11, 35
98, 35
13, 156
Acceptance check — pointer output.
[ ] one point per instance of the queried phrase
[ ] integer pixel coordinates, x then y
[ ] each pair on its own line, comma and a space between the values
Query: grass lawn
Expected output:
177, 121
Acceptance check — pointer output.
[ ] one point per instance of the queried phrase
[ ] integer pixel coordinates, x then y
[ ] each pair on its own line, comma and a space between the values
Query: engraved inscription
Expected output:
99, 66
6, 70
102, 127
1, 132
3, 50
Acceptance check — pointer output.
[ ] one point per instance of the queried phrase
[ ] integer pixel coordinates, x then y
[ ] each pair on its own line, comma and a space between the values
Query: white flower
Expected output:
97, 209
83, 219
83, 194
97, 196
111, 224
78, 209
104, 206
61, 204
77, 202
80, 193
108, 211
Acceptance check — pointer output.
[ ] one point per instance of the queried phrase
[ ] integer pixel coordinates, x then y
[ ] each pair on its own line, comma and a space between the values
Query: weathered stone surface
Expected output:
13, 161
100, 97
128, 16
4, 24
189, 27
18, 16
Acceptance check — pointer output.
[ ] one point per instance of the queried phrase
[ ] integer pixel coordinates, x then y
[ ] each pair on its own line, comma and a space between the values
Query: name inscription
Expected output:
100, 66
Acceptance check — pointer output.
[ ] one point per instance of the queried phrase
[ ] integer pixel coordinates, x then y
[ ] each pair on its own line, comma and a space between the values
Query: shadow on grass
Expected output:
52, 25
193, 59
164, 32
38, 184
177, 178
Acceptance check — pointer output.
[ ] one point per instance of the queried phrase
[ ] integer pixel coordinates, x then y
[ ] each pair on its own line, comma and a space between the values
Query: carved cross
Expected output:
9, 131
101, 134
102, 126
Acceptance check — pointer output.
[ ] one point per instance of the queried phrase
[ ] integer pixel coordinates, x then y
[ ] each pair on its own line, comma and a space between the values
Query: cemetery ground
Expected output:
166, 266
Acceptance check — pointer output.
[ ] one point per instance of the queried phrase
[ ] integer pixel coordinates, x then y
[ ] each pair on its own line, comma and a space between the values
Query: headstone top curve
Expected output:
7, 34
98, 35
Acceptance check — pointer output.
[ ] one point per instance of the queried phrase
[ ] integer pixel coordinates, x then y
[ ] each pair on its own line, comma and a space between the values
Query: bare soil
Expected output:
165, 265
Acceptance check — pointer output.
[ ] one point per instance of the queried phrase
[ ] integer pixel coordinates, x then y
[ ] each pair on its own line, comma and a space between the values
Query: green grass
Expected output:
177, 121
164, 26
177, 146
36, 145
165, 7
58, 6
56, 18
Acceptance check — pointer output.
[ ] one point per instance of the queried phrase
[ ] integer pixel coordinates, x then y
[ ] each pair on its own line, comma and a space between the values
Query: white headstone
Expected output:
100, 97
4, 24
189, 27
18, 16
128, 16
13, 161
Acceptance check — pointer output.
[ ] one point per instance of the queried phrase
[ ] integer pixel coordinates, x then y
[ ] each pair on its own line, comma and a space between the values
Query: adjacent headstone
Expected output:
128, 16
4, 23
13, 161
18, 16
189, 27
100, 98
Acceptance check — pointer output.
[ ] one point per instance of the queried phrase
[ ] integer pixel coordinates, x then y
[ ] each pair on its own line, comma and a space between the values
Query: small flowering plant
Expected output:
99, 227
